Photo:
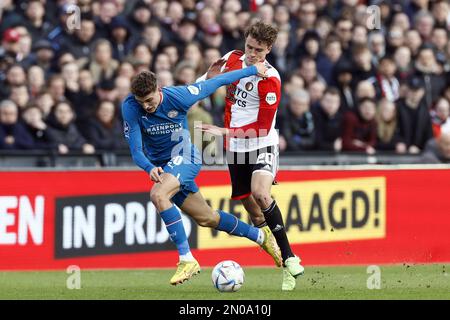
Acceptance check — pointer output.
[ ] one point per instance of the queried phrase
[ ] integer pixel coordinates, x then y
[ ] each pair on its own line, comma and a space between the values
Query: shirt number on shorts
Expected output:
265, 158
175, 161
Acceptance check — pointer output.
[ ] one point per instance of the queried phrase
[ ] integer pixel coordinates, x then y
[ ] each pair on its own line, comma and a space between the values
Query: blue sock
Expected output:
174, 225
232, 225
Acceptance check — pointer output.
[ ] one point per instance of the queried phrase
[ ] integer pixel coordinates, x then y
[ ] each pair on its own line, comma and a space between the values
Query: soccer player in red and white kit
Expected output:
250, 134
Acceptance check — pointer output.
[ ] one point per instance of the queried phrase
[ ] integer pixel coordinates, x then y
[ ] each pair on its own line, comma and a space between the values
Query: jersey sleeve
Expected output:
269, 91
186, 96
133, 135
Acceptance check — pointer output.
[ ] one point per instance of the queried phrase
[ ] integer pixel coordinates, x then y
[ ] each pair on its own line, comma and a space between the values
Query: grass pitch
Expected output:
397, 282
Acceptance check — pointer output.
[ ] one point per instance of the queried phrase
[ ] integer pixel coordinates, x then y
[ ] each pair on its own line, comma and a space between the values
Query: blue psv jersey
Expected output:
155, 138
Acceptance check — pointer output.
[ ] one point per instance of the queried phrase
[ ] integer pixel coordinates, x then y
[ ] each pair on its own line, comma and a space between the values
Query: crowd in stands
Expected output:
354, 79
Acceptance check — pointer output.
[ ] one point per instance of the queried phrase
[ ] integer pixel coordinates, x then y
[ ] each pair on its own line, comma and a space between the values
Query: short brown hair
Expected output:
143, 83
262, 32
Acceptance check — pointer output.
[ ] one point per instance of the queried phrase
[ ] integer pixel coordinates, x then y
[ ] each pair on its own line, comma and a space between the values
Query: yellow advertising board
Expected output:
313, 211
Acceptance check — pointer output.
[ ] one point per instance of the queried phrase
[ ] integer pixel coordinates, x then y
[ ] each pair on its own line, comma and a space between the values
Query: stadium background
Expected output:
53, 217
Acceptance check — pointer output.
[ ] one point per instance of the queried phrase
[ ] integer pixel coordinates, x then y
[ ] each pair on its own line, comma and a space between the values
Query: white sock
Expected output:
187, 257
261, 237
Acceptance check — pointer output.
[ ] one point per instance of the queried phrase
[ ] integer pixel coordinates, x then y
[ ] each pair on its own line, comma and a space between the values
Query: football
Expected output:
227, 276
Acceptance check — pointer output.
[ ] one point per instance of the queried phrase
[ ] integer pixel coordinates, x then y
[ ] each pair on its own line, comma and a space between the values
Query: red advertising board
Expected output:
103, 219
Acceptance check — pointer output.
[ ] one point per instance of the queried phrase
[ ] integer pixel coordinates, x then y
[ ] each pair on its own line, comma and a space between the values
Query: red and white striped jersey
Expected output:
251, 107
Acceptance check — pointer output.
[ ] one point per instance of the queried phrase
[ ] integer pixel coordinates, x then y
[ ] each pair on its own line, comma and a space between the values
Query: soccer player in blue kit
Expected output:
155, 126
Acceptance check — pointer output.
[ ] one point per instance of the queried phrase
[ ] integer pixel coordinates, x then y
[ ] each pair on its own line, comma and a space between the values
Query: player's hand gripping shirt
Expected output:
155, 138
250, 107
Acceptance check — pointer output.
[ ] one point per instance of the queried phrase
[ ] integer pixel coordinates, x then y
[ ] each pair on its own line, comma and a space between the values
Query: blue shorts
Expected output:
186, 172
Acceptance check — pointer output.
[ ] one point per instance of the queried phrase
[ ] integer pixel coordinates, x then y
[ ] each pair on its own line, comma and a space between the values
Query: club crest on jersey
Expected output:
271, 98
249, 86
194, 90
172, 113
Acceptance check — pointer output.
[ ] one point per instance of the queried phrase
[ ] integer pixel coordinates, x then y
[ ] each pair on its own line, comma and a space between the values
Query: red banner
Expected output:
103, 219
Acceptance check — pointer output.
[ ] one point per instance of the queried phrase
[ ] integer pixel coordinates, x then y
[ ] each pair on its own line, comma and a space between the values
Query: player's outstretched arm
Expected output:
205, 88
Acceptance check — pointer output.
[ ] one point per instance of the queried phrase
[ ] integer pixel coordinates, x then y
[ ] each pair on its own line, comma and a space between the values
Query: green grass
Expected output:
397, 282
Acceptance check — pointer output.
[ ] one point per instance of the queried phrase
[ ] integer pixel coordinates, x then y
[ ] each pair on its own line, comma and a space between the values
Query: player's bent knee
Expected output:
261, 196
158, 198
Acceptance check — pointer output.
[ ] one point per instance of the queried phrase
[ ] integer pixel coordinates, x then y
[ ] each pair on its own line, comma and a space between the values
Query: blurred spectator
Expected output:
441, 13
103, 66
38, 129
15, 76
437, 150
34, 19
333, 54
152, 37
57, 88
193, 54
13, 135
36, 80
186, 33
61, 34
63, 130
298, 126
377, 46
107, 11
81, 42
126, 70
10, 43
316, 90
360, 129
140, 16
165, 78
402, 58
413, 41
440, 116
141, 57
343, 79
308, 70
122, 87
121, 38
232, 38
328, 122
184, 73
364, 68
430, 72
162, 63
106, 90
45, 103
414, 118
364, 89
86, 100
385, 83
19, 95
424, 22
388, 133
105, 130
42, 56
